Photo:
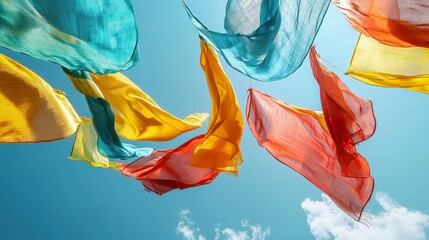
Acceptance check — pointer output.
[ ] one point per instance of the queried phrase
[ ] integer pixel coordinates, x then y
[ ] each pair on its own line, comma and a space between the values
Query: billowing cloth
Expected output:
166, 170
30, 110
202, 158
137, 116
94, 35
221, 147
300, 139
85, 147
385, 66
109, 143
403, 23
266, 40
350, 119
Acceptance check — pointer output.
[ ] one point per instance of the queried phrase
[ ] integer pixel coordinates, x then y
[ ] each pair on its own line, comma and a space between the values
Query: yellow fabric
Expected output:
137, 116
85, 147
221, 147
386, 66
85, 86
30, 109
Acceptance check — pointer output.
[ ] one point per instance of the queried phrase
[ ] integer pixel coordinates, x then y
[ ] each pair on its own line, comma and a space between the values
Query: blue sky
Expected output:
44, 195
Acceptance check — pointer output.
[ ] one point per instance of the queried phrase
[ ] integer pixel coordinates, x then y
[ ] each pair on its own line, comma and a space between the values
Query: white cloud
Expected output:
394, 222
186, 228
251, 232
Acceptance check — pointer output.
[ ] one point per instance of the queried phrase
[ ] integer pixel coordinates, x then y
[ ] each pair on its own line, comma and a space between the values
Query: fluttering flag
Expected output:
321, 147
109, 144
137, 116
31, 110
221, 147
85, 147
402, 23
169, 169
349, 118
266, 40
300, 139
93, 35
386, 66
202, 158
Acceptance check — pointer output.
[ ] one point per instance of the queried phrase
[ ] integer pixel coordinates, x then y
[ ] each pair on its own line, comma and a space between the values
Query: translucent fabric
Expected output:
266, 40
95, 35
350, 119
137, 116
166, 170
109, 143
300, 139
85, 146
385, 66
403, 23
31, 110
221, 147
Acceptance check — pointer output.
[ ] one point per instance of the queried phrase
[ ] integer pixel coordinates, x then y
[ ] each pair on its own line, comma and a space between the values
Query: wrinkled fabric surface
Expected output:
85, 147
386, 66
169, 169
137, 116
221, 147
403, 23
31, 110
349, 118
266, 40
300, 139
94, 35
109, 143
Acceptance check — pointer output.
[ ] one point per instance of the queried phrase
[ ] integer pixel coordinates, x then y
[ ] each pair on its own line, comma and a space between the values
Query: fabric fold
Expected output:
92, 35
401, 23
386, 66
169, 169
31, 110
300, 139
109, 143
350, 119
85, 147
266, 40
221, 147
137, 116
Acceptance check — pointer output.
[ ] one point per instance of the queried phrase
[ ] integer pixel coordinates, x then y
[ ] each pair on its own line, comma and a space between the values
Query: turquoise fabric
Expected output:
99, 36
266, 40
103, 119
109, 143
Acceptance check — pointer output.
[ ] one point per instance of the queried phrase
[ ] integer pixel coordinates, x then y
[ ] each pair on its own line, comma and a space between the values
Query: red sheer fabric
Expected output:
402, 23
166, 170
300, 139
350, 119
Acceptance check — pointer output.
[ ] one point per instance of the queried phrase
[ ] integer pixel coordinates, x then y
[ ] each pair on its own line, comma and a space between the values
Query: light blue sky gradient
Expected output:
43, 195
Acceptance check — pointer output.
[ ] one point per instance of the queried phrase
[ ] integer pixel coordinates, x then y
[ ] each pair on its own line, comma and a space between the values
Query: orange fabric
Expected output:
350, 119
403, 23
298, 139
221, 147
166, 170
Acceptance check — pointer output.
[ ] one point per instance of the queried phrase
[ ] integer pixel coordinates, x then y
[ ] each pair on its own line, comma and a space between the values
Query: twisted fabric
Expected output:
221, 147
266, 40
137, 116
109, 143
169, 169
